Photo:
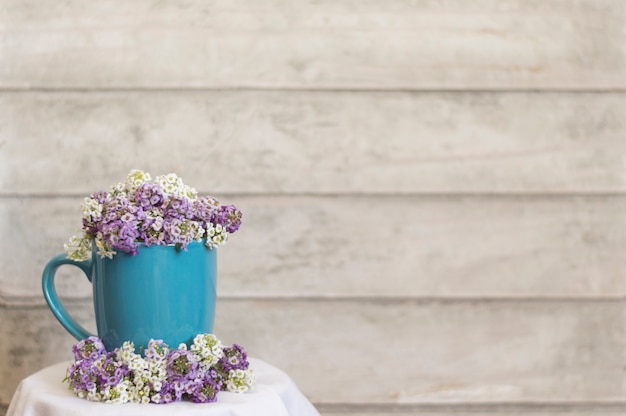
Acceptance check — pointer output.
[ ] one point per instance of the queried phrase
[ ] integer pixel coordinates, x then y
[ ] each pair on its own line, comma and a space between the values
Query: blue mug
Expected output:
161, 293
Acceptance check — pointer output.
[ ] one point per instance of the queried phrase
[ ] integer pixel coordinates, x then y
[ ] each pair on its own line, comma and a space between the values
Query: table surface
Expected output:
273, 394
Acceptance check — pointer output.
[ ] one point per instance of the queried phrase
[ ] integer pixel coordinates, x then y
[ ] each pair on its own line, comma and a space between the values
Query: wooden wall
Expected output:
433, 191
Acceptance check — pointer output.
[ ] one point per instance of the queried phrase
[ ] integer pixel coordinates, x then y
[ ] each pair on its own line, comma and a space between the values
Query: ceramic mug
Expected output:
161, 293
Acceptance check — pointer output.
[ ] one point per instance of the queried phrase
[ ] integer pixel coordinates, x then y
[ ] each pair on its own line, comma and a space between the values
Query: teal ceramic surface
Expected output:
161, 293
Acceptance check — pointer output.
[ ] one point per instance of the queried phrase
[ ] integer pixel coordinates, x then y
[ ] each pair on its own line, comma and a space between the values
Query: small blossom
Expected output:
157, 350
240, 381
182, 365
135, 179
208, 348
234, 358
86, 348
78, 248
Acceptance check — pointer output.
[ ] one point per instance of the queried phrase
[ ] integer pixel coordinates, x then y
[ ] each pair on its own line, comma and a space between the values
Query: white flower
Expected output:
93, 395
134, 180
240, 381
172, 185
91, 209
119, 189
215, 235
157, 385
78, 248
127, 355
190, 193
103, 249
208, 348
140, 394
119, 394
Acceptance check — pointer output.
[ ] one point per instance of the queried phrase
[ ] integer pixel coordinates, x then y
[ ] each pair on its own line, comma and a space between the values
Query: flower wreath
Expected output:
161, 375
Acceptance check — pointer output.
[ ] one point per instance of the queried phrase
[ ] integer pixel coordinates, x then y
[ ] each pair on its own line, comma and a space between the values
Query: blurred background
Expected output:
433, 191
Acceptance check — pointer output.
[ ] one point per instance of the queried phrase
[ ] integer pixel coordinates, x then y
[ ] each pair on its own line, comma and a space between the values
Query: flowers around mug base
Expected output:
140, 210
161, 375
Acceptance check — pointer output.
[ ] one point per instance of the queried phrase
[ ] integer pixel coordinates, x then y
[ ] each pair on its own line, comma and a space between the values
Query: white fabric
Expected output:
273, 394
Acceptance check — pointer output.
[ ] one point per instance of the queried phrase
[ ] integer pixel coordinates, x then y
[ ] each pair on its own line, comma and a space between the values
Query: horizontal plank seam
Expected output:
347, 195
322, 88
487, 406
562, 406
24, 301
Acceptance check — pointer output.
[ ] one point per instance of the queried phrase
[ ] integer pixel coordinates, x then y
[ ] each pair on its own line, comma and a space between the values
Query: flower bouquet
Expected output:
162, 211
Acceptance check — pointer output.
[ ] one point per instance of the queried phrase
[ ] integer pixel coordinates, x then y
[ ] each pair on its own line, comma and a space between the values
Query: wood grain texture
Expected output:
433, 191
316, 142
370, 246
323, 44
410, 352
521, 410
492, 351
550, 408
31, 340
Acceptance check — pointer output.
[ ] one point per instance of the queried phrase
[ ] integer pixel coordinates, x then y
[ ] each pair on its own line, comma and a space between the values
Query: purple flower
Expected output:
182, 366
112, 371
151, 230
179, 231
109, 217
157, 350
89, 349
79, 376
230, 218
235, 358
205, 208
149, 195
127, 218
177, 207
206, 390
100, 196
117, 203
166, 395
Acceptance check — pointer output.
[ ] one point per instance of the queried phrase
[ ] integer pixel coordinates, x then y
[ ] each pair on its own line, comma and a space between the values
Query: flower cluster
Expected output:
144, 211
161, 375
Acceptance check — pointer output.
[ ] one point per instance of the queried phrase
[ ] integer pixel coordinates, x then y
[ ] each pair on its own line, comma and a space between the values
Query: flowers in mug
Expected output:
151, 212
161, 375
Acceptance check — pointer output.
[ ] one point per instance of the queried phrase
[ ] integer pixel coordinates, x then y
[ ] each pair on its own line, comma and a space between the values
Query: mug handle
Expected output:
54, 303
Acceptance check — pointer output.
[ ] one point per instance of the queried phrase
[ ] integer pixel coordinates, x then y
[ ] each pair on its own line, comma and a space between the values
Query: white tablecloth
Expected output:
274, 394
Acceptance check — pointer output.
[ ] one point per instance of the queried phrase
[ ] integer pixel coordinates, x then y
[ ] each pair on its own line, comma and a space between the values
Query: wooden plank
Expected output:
308, 142
419, 352
371, 247
32, 339
328, 44
393, 352
551, 408
521, 410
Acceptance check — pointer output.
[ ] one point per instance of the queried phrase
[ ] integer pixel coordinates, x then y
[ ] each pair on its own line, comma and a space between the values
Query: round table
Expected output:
273, 394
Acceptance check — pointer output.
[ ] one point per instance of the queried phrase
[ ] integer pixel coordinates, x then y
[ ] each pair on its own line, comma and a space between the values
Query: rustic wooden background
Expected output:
434, 191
